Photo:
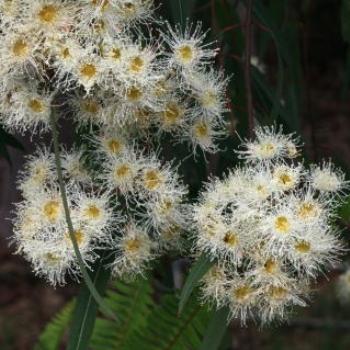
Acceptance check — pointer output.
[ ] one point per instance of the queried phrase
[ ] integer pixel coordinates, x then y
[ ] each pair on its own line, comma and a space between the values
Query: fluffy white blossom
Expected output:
268, 224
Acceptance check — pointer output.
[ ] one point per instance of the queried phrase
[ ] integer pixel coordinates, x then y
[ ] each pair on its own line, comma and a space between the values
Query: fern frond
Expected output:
52, 335
165, 330
132, 303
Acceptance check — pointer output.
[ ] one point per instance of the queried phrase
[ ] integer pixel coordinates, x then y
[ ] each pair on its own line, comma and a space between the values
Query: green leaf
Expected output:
86, 310
198, 270
216, 330
51, 337
132, 303
165, 330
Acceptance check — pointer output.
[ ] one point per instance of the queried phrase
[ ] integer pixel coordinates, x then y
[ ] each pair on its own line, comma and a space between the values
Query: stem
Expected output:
247, 66
62, 187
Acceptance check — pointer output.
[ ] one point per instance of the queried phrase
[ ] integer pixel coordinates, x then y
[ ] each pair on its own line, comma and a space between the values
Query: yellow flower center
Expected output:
116, 53
136, 64
78, 235
209, 99
114, 146
185, 53
152, 179
277, 293
90, 106
20, 48
242, 293
172, 113
36, 105
285, 180
134, 94
48, 14
231, 239
132, 245
52, 258
303, 247
123, 171
270, 266
65, 53
88, 70
165, 206
307, 210
268, 149
93, 212
51, 210
101, 3
282, 224
201, 130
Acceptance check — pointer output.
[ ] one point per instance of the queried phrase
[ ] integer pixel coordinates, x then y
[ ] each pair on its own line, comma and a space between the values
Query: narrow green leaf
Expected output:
86, 310
198, 270
216, 330
89, 283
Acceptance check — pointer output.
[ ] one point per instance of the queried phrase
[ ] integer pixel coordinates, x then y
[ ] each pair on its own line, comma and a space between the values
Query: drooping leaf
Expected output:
86, 310
216, 330
198, 270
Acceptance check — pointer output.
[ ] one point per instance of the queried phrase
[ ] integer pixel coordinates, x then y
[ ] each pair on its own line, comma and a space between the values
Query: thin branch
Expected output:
247, 65
86, 276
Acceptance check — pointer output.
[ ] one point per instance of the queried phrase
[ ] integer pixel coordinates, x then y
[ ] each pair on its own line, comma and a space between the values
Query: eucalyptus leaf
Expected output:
198, 270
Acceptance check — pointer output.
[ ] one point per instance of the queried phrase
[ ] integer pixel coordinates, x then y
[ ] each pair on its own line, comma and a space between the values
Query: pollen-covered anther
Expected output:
230, 239
282, 224
136, 64
307, 210
134, 94
277, 293
122, 171
36, 105
242, 293
51, 210
185, 53
48, 13
92, 212
270, 266
132, 245
303, 247
20, 48
152, 179
114, 146
172, 113
79, 236
88, 70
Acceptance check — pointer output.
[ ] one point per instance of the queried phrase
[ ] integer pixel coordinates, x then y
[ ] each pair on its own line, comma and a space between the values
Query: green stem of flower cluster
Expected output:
82, 266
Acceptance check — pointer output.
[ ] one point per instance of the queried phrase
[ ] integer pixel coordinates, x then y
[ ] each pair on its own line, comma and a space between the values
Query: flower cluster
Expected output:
131, 205
113, 65
40, 228
268, 227
126, 79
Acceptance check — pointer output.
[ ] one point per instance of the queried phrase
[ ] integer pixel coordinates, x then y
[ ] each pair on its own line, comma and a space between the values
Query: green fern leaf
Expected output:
51, 337
132, 303
166, 330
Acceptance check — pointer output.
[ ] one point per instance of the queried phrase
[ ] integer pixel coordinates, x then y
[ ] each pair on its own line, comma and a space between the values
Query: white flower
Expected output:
188, 50
269, 145
134, 250
327, 179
